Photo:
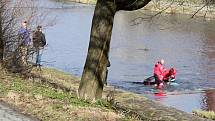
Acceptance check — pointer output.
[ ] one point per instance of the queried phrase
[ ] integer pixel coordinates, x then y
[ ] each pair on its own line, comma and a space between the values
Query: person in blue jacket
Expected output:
24, 42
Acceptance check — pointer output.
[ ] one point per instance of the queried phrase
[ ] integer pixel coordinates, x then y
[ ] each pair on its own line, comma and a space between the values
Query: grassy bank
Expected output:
191, 7
205, 114
39, 99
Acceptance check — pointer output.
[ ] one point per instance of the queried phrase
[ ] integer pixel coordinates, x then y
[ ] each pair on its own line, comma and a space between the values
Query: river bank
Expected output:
194, 8
48, 95
51, 95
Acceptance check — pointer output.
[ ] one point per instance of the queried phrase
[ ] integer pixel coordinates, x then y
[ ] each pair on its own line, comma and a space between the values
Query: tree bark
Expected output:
93, 77
1, 38
130, 5
95, 69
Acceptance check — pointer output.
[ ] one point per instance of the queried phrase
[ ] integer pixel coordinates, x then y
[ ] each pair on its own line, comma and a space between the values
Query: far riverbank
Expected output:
195, 8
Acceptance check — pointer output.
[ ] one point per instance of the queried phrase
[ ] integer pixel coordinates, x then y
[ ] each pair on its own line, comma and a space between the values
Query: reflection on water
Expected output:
187, 44
189, 101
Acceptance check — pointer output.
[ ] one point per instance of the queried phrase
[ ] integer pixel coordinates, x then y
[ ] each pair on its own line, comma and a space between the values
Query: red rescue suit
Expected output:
159, 71
169, 74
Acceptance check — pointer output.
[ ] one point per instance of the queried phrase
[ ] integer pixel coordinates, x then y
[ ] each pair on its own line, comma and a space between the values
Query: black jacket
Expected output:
39, 39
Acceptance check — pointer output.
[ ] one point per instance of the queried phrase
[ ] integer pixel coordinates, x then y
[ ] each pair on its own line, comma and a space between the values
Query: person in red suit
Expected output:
160, 75
169, 75
159, 72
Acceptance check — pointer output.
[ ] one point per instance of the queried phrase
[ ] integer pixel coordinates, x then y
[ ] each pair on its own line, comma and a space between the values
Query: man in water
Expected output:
169, 75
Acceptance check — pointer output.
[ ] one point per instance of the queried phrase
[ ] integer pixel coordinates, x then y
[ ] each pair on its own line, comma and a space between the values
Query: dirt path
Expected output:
9, 114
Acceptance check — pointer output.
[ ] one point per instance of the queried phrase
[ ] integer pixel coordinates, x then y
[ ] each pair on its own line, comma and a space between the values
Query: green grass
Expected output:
48, 103
26, 86
205, 114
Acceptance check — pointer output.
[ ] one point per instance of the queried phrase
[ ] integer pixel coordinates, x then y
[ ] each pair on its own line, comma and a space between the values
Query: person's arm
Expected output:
43, 39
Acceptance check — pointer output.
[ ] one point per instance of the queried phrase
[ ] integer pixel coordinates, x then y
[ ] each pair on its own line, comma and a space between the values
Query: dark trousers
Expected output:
38, 57
157, 80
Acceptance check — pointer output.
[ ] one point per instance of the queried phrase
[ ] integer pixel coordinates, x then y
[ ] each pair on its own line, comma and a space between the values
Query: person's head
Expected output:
24, 24
172, 71
161, 61
39, 28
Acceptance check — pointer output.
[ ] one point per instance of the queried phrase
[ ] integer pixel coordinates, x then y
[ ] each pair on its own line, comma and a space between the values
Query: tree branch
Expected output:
206, 4
131, 5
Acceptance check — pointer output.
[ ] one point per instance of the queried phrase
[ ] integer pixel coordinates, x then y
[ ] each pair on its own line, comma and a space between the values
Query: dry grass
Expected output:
205, 114
50, 104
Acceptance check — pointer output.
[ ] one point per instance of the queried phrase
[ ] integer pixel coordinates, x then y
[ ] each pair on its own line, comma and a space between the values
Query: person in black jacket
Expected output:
39, 41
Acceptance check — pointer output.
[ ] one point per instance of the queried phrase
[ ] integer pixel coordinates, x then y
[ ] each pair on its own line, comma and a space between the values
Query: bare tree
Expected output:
12, 13
3, 22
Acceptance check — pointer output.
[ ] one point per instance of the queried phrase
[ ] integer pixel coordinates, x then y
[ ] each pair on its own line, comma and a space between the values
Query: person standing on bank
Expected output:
39, 41
24, 42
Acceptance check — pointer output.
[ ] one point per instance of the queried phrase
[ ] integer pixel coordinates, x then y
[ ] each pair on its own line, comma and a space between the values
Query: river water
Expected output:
136, 45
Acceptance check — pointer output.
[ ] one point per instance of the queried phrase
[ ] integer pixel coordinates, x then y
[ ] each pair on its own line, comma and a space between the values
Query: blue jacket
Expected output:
24, 34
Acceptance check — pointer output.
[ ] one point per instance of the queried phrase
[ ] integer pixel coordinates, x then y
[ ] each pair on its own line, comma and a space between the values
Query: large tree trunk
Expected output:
1, 39
93, 77
95, 69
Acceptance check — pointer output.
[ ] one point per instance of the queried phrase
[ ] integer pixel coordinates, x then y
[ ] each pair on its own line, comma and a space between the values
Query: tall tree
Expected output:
1, 32
95, 69
1, 41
